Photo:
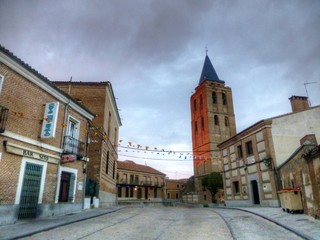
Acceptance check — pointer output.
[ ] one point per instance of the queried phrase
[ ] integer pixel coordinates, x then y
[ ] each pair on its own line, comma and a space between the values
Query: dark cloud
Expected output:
153, 51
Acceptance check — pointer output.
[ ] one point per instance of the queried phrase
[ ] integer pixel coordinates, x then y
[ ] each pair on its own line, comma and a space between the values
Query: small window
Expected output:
249, 148
226, 121
178, 186
195, 104
131, 179
224, 99
214, 97
202, 123
239, 148
107, 163
1, 82
236, 188
177, 195
124, 179
216, 120
114, 169
204, 197
201, 101
119, 191
195, 127
109, 125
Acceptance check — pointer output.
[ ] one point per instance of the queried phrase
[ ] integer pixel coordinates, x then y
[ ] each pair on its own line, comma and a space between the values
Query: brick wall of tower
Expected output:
215, 122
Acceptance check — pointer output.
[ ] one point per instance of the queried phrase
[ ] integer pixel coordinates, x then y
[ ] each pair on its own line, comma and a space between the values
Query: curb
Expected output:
66, 223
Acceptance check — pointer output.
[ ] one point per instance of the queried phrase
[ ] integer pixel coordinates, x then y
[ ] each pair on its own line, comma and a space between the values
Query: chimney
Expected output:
299, 103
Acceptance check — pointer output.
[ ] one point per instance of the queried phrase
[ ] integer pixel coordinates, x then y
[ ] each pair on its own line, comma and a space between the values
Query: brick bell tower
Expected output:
212, 122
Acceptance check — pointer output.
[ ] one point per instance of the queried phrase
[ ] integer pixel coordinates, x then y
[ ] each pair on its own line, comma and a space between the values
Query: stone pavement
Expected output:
25, 228
303, 225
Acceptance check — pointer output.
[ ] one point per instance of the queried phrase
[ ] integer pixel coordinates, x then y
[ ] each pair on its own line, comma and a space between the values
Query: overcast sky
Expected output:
153, 52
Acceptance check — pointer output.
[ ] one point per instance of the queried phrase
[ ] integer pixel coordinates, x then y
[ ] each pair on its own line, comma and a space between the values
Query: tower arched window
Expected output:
216, 120
195, 127
194, 104
201, 101
214, 97
202, 123
226, 121
224, 99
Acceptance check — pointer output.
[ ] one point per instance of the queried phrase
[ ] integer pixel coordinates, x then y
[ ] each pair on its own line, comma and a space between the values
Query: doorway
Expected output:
255, 192
146, 193
30, 191
139, 193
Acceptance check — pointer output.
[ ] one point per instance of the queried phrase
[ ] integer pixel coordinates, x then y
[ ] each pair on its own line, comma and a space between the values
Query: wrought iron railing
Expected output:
74, 146
3, 118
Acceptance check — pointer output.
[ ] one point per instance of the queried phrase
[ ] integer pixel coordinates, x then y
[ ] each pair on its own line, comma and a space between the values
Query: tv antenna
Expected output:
305, 86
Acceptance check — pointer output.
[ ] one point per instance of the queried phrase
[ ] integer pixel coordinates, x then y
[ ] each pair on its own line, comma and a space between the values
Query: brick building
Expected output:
139, 182
302, 170
103, 150
174, 188
212, 122
251, 157
43, 135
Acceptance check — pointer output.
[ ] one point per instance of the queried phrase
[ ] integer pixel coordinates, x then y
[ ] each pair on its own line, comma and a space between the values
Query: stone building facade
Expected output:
174, 188
43, 151
302, 171
251, 158
212, 122
104, 134
139, 182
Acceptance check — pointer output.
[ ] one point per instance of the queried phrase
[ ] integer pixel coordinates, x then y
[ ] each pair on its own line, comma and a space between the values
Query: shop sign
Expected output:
68, 158
50, 120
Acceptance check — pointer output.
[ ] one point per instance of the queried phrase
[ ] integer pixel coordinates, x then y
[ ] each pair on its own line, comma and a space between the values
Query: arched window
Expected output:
226, 121
214, 97
202, 123
194, 104
224, 99
216, 120
195, 127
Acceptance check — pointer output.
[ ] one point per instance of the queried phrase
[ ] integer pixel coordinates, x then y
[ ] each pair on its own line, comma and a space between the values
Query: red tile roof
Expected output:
132, 166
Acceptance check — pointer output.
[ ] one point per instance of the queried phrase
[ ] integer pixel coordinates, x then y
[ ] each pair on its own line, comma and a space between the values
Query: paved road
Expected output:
170, 223
244, 225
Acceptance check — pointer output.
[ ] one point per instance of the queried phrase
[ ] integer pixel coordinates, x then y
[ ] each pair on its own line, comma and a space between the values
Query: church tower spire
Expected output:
213, 121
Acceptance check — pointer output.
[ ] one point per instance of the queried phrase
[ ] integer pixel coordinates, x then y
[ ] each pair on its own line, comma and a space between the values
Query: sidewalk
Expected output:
303, 225
25, 228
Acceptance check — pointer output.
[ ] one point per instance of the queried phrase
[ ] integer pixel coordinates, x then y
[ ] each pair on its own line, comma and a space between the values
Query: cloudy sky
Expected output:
153, 52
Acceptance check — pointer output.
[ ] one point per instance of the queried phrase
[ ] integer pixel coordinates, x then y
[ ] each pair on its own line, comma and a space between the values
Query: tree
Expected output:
212, 182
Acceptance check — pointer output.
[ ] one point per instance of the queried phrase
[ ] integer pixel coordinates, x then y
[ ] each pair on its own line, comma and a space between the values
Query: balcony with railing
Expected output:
74, 146
3, 118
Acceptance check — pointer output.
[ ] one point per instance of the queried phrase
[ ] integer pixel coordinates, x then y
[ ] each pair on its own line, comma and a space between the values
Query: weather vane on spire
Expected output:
206, 50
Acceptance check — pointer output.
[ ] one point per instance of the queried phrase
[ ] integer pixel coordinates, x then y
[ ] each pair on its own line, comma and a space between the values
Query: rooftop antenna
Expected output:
206, 48
305, 86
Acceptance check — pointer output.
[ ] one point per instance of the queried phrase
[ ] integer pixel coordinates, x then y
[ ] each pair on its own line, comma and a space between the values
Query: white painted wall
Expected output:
288, 130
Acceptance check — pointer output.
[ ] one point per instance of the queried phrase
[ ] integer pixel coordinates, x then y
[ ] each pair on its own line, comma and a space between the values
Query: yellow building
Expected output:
174, 188
136, 181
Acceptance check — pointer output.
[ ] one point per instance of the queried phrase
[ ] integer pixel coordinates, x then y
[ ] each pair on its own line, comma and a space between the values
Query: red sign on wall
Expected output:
68, 158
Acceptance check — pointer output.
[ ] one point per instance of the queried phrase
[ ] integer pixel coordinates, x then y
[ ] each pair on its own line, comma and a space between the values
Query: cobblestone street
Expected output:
171, 223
